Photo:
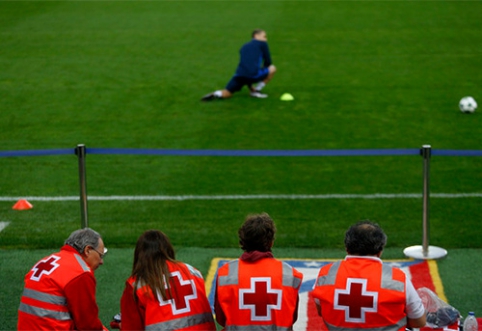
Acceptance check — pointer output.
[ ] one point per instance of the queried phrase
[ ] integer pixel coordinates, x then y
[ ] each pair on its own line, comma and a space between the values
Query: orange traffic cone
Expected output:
22, 205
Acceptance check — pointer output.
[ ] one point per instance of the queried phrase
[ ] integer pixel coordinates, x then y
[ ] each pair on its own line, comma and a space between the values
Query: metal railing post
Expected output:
425, 251
80, 152
426, 153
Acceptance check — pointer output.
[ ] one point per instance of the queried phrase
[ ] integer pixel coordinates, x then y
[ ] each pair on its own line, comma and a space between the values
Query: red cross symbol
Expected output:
45, 267
182, 291
355, 300
261, 299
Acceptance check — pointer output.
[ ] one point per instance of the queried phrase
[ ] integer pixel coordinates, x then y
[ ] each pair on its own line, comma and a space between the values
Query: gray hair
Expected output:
82, 238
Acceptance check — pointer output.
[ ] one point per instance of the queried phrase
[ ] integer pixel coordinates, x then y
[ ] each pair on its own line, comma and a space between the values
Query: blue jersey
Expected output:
254, 55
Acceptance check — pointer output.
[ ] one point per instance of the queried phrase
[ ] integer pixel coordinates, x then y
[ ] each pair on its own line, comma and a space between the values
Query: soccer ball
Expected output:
467, 105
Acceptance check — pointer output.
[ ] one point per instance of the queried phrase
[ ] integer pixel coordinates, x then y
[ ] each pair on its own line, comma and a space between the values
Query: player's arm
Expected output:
80, 294
266, 55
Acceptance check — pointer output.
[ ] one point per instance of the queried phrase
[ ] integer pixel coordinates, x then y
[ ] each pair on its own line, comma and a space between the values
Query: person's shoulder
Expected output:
68, 248
229, 264
285, 264
255, 43
397, 273
192, 270
225, 268
261, 43
69, 258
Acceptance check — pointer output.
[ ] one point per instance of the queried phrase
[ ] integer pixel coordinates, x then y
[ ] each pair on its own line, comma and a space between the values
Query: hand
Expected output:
116, 321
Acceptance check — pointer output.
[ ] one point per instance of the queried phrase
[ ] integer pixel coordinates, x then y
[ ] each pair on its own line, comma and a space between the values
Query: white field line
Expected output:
3, 225
248, 197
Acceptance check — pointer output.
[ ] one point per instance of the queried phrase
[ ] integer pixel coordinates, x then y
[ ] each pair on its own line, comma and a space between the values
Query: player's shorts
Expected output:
237, 82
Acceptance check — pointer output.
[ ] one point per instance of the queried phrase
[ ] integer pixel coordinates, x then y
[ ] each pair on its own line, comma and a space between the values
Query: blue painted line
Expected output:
448, 152
214, 152
237, 153
40, 152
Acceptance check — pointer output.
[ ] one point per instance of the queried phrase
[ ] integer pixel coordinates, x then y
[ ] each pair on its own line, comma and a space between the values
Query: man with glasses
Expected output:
59, 292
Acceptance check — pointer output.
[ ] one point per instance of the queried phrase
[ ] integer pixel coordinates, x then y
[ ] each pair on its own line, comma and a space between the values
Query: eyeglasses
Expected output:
100, 254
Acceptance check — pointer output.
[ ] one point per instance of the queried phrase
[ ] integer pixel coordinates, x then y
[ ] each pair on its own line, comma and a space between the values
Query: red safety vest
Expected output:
361, 293
43, 305
187, 309
257, 295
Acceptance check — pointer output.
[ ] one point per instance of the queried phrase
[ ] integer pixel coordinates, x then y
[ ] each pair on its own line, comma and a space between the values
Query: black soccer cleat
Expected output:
208, 97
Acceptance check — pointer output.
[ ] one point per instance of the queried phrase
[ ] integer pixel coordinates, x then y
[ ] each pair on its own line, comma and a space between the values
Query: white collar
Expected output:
369, 257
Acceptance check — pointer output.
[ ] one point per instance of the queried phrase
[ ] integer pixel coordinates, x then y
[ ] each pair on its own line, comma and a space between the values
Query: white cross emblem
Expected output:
260, 299
355, 300
185, 290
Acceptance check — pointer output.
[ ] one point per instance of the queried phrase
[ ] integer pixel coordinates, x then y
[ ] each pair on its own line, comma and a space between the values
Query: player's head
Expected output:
257, 233
365, 238
259, 34
89, 244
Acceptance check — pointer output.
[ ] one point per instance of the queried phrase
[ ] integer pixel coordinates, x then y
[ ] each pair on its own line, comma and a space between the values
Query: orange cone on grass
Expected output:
22, 205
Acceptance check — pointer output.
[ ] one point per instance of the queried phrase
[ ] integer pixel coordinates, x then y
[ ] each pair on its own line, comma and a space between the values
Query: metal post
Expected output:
425, 251
426, 153
80, 152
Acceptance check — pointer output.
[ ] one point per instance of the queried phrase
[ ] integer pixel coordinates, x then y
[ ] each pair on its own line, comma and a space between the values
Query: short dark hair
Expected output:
255, 32
365, 238
257, 233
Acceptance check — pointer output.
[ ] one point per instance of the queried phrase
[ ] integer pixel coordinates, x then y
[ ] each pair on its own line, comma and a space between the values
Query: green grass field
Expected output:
125, 74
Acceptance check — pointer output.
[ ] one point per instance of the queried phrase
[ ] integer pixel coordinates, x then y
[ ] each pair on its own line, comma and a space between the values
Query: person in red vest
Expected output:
163, 293
59, 292
257, 291
360, 292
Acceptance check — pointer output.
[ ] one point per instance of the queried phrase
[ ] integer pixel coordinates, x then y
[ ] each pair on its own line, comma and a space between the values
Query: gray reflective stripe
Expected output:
194, 271
182, 323
44, 297
232, 277
330, 277
82, 262
399, 325
44, 313
288, 279
254, 327
388, 282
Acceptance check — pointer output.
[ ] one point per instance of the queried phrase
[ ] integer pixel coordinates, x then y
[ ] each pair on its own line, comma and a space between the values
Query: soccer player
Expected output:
59, 291
163, 293
255, 67
360, 292
257, 291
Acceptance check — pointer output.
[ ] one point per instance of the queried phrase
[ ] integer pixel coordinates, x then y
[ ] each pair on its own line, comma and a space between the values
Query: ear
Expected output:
86, 250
